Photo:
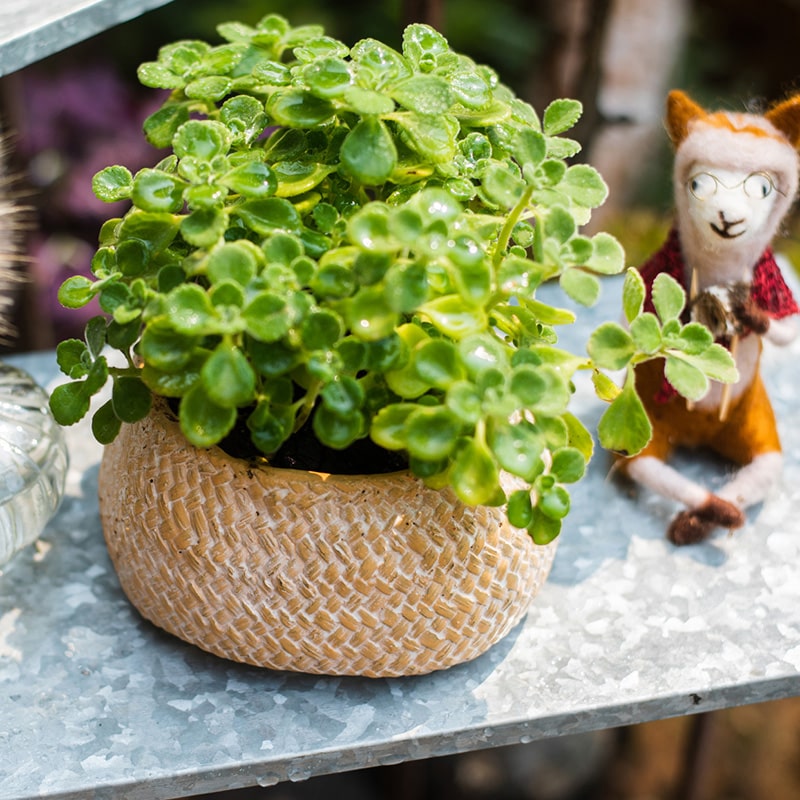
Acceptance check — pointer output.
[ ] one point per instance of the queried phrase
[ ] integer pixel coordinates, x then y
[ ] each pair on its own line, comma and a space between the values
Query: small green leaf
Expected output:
112, 184
668, 297
624, 426
437, 363
203, 422
343, 396
69, 402
296, 108
154, 190
569, 465
608, 257
582, 287
368, 153
584, 186
335, 430
633, 294
270, 427
201, 139
131, 399
561, 115
389, 425
204, 227
688, 379
450, 315
543, 528
520, 509
227, 377
268, 215
251, 179
646, 333
105, 424
611, 346
554, 503
432, 433
76, 291
518, 448
474, 475
425, 94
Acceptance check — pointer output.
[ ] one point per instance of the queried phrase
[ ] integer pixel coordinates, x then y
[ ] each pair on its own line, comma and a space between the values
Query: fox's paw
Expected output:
694, 525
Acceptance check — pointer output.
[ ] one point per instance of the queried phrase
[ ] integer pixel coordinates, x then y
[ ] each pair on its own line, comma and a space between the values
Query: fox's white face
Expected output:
729, 206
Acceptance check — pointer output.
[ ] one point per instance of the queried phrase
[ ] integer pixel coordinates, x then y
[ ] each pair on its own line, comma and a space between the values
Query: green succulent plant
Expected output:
352, 239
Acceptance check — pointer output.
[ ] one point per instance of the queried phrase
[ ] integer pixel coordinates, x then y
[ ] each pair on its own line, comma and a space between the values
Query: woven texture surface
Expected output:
313, 573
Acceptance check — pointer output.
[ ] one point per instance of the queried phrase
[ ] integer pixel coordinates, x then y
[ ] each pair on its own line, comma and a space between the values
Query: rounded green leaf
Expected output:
474, 475
543, 529
268, 215
517, 448
105, 424
569, 465
112, 184
425, 94
368, 153
227, 377
270, 426
582, 287
369, 314
234, 261
437, 362
203, 422
76, 291
69, 402
561, 115
452, 317
685, 377
328, 77
608, 257
432, 432
388, 428
335, 430
296, 108
204, 227
624, 427
407, 286
201, 139
584, 186
164, 348
321, 330
554, 503
520, 508
611, 346
646, 333
267, 317
669, 297
344, 396
131, 399
154, 190
251, 179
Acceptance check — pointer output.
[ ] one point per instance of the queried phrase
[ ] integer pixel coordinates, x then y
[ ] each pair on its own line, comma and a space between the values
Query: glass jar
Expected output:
33, 461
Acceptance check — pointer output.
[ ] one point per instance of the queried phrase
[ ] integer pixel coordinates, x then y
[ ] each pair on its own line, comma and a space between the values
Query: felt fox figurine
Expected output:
735, 177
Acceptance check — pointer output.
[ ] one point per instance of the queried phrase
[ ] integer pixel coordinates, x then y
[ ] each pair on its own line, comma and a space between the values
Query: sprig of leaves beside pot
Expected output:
352, 239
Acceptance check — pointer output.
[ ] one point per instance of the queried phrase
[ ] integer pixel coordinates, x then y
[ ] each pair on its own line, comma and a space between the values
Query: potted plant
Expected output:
335, 269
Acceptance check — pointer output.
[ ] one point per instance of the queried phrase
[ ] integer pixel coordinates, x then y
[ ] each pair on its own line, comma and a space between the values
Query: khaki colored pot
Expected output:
308, 572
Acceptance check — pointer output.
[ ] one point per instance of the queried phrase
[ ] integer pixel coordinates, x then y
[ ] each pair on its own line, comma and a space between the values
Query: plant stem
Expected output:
511, 220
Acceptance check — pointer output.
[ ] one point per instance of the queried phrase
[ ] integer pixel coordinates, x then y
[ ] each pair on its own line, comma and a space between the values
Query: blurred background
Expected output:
74, 113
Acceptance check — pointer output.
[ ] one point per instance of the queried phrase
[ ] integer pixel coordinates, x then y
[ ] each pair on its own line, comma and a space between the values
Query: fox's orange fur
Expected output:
723, 231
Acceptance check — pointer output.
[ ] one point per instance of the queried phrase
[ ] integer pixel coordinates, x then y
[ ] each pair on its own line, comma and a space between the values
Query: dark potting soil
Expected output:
303, 451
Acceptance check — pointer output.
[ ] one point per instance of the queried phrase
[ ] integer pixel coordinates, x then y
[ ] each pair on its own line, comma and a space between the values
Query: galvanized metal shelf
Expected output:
34, 29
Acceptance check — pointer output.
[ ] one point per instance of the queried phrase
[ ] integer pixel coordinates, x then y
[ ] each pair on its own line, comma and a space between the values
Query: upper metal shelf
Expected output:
31, 29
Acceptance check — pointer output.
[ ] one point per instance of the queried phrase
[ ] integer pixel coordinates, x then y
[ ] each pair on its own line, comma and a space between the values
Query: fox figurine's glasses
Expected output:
757, 185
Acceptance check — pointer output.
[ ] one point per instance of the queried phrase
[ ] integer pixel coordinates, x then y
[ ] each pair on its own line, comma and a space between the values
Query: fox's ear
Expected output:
681, 110
785, 117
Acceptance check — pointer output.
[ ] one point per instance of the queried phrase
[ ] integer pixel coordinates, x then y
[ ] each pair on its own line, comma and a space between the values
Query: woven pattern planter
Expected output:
308, 572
